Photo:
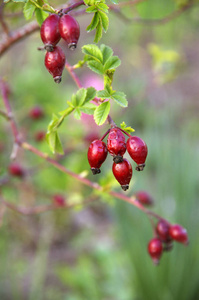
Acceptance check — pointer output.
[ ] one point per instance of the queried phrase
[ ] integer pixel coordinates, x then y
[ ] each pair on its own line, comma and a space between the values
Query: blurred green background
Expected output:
99, 251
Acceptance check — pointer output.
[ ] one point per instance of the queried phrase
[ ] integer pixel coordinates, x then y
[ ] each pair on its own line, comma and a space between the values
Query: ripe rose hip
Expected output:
50, 32
97, 153
55, 62
155, 250
137, 149
116, 144
179, 234
123, 173
16, 170
36, 113
69, 30
40, 136
162, 229
59, 200
144, 198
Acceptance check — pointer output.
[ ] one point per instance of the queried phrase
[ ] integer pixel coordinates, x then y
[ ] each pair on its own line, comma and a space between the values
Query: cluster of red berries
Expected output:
166, 233
55, 27
117, 146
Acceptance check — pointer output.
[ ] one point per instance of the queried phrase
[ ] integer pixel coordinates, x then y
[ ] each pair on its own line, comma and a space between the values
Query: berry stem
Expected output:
73, 6
125, 132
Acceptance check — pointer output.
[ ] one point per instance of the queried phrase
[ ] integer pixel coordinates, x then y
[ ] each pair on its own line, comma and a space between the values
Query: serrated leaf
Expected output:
94, 22
93, 52
103, 7
96, 67
28, 10
101, 113
112, 63
54, 142
127, 129
107, 52
120, 98
88, 108
77, 114
98, 33
80, 96
91, 9
103, 94
104, 20
90, 95
40, 15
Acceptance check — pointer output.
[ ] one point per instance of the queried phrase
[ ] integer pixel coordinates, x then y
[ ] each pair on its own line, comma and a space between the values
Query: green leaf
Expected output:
103, 7
91, 9
88, 108
80, 96
67, 111
16, 1
90, 95
54, 142
28, 10
120, 98
94, 22
93, 51
77, 114
112, 63
107, 52
96, 67
101, 113
103, 94
104, 20
98, 33
53, 123
40, 15
127, 129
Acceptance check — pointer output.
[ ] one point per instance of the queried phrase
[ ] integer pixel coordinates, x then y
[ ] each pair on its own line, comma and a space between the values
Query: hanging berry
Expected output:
137, 149
16, 170
50, 32
55, 62
123, 173
144, 198
116, 144
179, 234
155, 250
97, 153
162, 229
69, 30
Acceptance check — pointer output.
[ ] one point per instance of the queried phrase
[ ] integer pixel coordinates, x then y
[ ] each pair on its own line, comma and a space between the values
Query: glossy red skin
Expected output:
16, 170
97, 153
162, 229
69, 30
55, 62
137, 149
123, 172
179, 234
50, 30
59, 200
144, 198
116, 144
155, 249
36, 113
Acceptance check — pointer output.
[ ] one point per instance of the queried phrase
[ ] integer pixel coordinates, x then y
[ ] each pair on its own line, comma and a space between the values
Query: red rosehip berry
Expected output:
16, 170
50, 32
40, 136
123, 173
55, 62
144, 198
69, 30
116, 144
179, 234
36, 113
59, 200
137, 149
155, 250
97, 153
162, 229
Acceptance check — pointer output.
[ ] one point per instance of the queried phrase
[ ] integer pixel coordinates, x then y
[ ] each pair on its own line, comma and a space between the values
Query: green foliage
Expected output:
100, 20
101, 113
128, 129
